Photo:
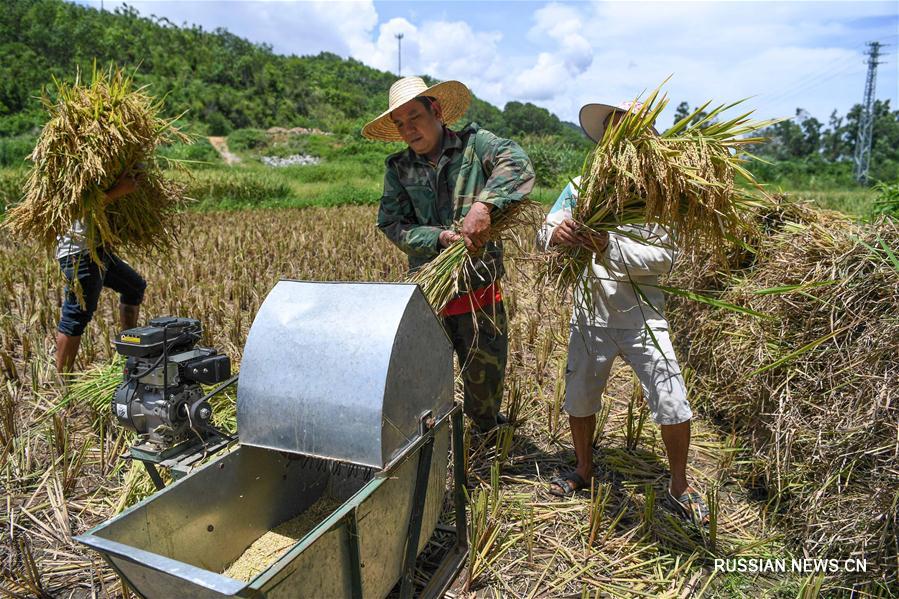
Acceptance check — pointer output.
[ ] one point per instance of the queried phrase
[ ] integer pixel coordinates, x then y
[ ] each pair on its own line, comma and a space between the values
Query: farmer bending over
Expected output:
73, 253
614, 322
445, 176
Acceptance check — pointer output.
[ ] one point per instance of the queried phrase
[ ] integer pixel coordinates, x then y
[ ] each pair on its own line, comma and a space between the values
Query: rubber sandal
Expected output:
691, 506
570, 483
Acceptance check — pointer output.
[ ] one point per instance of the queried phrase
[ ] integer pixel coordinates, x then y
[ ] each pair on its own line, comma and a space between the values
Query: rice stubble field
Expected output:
61, 472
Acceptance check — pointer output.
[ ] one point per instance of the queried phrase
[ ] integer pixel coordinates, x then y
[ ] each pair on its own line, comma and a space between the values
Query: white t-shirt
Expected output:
626, 264
73, 242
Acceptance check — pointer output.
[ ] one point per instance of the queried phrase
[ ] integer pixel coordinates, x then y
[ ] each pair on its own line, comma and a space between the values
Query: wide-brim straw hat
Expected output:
593, 116
453, 96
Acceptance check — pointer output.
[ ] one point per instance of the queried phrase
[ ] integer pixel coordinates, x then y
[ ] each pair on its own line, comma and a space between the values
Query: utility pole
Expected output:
399, 54
866, 121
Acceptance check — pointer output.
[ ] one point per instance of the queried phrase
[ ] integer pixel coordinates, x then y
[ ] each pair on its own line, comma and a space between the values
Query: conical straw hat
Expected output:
593, 116
453, 96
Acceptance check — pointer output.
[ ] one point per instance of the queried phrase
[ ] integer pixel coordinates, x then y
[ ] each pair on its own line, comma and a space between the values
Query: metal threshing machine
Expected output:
345, 390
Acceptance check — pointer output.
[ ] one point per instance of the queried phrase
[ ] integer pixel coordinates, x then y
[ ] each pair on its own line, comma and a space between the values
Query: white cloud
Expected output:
563, 24
572, 56
786, 54
544, 81
453, 50
441, 49
383, 53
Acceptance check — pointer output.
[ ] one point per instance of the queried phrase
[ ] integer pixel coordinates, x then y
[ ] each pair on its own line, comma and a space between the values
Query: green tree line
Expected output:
805, 149
224, 82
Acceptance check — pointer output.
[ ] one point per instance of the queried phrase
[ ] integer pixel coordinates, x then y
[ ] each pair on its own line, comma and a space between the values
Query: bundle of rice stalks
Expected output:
451, 271
93, 387
813, 388
690, 179
97, 133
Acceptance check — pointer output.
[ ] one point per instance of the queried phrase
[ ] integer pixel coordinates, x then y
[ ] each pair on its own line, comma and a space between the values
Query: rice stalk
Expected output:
811, 390
93, 387
691, 180
30, 571
445, 276
96, 133
599, 499
636, 414
137, 485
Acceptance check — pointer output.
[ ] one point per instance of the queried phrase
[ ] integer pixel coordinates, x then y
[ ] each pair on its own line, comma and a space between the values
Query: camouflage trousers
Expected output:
482, 346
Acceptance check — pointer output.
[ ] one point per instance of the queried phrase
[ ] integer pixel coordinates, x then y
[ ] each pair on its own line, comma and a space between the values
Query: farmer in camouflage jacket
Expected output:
442, 178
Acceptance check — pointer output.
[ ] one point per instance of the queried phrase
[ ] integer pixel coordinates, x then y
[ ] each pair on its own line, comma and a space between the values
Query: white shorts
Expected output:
591, 351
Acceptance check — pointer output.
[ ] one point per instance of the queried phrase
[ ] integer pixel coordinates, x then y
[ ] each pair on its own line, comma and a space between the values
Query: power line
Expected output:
812, 84
815, 77
866, 122
811, 81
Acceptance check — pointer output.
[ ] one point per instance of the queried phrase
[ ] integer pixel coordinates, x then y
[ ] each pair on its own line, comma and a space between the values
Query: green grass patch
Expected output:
11, 182
547, 195
887, 200
856, 202
256, 186
14, 150
214, 186
197, 155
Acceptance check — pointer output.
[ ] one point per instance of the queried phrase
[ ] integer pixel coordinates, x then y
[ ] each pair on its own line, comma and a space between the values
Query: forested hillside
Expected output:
223, 81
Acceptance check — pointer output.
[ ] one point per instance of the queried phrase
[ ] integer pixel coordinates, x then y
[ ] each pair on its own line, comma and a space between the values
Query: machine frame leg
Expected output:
154, 475
460, 481
419, 497
352, 530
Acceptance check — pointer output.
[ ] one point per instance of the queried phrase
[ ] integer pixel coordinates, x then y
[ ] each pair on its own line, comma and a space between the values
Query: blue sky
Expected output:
562, 54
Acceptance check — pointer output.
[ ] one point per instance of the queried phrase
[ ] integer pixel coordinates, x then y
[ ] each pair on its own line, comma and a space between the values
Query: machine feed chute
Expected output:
343, 371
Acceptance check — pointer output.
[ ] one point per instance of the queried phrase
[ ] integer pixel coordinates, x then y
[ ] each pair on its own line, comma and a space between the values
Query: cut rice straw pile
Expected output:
95, 134
813, 388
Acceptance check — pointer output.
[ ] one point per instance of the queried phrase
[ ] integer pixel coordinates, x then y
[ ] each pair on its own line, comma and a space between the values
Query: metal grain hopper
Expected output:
346, 390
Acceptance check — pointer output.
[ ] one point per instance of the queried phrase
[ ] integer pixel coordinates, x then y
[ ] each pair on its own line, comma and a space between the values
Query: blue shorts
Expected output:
115, 274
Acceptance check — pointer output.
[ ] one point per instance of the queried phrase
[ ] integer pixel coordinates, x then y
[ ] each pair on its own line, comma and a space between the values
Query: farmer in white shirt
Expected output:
616, 322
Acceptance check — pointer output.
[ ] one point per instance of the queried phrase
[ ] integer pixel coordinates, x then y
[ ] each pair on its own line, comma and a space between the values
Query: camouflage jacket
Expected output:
421, 200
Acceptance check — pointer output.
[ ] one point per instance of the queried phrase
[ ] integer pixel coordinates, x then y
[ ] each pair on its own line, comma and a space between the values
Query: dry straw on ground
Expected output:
95, 134
62, 474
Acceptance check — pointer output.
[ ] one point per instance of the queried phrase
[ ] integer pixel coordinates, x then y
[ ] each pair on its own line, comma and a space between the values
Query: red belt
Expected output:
474, 300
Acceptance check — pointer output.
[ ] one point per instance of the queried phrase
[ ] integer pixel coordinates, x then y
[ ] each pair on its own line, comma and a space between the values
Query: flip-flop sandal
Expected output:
690, 505
570, 483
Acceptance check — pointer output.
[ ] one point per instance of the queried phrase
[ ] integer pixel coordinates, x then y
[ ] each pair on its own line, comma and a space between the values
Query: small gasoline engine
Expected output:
161, 397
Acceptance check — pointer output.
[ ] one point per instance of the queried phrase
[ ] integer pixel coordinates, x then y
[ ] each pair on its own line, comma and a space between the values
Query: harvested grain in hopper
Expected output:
268, 548
687, 179
95, 134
